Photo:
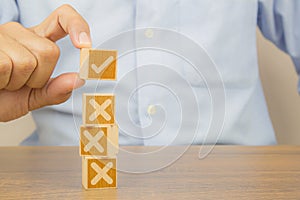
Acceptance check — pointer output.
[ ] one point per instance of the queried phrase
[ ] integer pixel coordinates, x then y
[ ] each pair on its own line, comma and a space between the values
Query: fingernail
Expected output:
79, 83
84, 38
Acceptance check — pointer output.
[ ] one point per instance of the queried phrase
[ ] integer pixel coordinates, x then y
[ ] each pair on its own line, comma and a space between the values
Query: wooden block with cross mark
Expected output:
98, 64
98, 109
99, 172
100, 140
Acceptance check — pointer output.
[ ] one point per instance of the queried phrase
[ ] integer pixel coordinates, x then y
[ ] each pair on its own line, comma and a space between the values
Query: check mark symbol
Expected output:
104, 65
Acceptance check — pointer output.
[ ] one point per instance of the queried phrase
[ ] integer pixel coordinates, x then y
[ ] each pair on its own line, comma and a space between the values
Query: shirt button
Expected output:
151, 109
149, 33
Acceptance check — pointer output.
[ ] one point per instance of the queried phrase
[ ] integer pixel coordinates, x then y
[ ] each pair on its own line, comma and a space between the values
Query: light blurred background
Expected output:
280, 86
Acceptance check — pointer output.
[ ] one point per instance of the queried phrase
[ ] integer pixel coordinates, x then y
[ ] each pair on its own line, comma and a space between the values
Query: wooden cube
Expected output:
98, 109
98, 64
99, 140
99, 172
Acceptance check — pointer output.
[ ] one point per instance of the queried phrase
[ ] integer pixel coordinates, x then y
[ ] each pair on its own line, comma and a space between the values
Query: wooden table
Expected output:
229, 172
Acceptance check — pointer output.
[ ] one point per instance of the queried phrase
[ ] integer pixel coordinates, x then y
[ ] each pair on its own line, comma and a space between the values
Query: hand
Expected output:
28, 57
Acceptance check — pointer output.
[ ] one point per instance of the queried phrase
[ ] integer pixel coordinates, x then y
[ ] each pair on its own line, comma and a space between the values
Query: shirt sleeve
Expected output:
279, 21
8, 11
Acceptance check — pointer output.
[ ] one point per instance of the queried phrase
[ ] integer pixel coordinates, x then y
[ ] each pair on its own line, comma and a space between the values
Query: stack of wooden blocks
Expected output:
99, 133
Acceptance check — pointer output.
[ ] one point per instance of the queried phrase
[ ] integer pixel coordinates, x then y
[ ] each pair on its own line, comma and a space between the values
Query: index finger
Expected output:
63, 21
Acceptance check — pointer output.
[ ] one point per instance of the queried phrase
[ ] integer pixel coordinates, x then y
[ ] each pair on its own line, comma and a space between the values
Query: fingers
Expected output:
23, 62
32, 53
5, 69
15, 104
27, 60
65, 20
45, 52
57, 91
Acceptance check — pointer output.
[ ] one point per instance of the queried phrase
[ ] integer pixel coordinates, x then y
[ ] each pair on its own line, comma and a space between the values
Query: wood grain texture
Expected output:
92, 104
229, 172
99, 140
98, 64
99, 173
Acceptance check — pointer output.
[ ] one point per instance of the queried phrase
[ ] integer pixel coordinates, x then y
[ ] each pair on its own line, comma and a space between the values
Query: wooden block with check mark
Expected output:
99, 172
99, 140
98, 64
99, 134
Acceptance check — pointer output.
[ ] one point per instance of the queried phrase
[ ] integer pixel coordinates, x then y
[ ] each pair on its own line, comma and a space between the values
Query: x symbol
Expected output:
100, 110
93, 141
102, 173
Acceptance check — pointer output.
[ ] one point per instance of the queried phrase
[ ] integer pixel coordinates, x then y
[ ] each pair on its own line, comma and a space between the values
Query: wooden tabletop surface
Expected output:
229, 172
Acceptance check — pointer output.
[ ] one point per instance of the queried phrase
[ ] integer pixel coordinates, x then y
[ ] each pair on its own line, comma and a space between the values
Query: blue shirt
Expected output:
226, 29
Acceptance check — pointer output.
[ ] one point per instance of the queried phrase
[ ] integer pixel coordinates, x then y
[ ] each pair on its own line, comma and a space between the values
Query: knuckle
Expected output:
5, 64
8, 28
65, 7
28, 65
10, 25
5, 70
49, 50
53, 49
14, 24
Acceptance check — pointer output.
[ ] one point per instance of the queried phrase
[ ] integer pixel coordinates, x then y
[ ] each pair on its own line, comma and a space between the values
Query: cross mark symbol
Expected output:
100, 109
93, 141
103, 66
102, 173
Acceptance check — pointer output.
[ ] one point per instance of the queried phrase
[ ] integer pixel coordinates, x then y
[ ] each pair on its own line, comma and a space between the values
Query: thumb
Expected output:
63, 21
56, 91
